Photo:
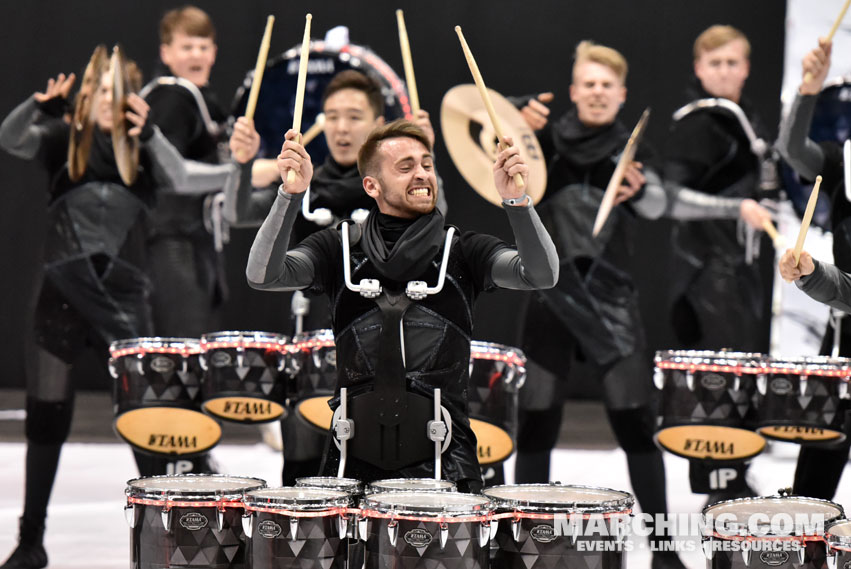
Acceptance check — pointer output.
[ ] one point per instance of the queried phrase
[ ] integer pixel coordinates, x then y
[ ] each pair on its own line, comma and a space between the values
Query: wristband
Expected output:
518, 202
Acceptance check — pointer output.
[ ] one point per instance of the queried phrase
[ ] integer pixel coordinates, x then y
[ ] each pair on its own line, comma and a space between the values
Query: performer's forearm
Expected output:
793, 142
181, 176
270, 266
244, 205
19, 135
673, 200
534, 264
828, 285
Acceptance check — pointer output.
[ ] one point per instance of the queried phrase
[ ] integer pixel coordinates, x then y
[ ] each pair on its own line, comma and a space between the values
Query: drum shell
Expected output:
354, 488
154, 379
313, 365
815, 557
271, 543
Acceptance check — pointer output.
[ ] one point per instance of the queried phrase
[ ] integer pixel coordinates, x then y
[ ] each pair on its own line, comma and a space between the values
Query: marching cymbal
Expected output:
472, 144
83, 123
126, 147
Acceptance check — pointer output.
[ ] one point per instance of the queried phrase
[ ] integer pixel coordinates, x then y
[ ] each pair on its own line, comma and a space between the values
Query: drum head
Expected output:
500, 352
202, 487
168, 431
316, 412
242, 338
558, 497
838, 534
427, 503
297, 498
778, 515
411, 485
470, 138
800, 434
348, 485
185, 346
710, 442
244, 409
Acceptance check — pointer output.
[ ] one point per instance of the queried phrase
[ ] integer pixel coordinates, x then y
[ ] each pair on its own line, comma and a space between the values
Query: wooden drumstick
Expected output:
486, 99
314, 131
259, 69
805, 223
299, 93
408, 63
769, 228
809, 76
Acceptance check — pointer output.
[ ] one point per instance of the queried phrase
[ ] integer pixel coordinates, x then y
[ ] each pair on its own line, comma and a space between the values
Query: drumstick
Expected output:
769, 228
408, 63
299, 93
608, 201
259, 69
809, 76
486, 99
314, 131
805, 223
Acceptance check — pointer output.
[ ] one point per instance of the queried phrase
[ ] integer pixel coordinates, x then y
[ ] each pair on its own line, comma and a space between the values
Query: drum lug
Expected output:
139, 365
393, 531
802, 553
832, 559
130, 515
220, 518
762, 384
444, 535
247, 525
515, 529
240, 356
184, 366
746, 553
802, 385
737, 382
113, 371
282, 361
363, 527
494, 527
165, 514
843, 389
293, 529
574, 535
708, 549
343, 526
690, 380
484, 533
202, 361
659, 378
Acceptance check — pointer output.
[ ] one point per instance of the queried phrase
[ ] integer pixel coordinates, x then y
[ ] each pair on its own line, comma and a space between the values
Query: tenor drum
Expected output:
707, 407
244, 375
419, 530
354, 489
769, 532
838, 538
297, 527
314, 375
804, 400
191, 520
555, 525
157, 396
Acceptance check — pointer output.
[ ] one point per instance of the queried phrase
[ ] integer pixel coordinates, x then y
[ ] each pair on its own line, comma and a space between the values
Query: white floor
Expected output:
86, 527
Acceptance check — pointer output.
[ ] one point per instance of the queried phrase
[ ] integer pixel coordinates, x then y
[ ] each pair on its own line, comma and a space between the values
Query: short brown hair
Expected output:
190, 20
716, 36
587, 51
400, 128
351, 79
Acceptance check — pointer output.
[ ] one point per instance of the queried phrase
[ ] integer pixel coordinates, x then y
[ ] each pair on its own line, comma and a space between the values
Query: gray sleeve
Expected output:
270, 266
828, 285
245, 205
181, 176
19, 135
534, 264
793, 144
670, 199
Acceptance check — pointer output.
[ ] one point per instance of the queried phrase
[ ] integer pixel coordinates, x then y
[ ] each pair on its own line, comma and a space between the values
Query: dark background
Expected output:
521, 47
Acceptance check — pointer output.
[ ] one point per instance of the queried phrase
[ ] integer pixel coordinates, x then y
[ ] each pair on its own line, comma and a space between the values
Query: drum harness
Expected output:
768, 178
390, 409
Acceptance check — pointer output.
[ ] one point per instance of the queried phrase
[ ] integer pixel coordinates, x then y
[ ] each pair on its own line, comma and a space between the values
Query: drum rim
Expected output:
480, 346
709, 357
137, 492
373, 488
247, 335
324, 499
372, 502
174, 342
354, 485
742, 530
592, 508
837, 539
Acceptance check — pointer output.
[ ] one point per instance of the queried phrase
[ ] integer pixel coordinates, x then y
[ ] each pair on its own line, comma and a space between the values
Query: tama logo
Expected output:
172, 441
193, 521
314, 66
161, 364
774, 558
713, 381
247, 408
418, 537
269, 529
781, 386
543, 534
220, 359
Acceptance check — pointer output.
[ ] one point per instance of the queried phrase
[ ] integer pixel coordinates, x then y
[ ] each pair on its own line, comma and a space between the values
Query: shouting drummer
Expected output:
403, 330
353, 106
95, 290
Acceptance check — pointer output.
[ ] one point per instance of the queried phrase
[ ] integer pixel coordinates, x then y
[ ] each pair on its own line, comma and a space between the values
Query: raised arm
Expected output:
534, 264
21, 134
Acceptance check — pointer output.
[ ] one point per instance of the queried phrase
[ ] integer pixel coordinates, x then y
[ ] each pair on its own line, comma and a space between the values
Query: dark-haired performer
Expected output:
820, 467
354, 106
95, 290
396, 338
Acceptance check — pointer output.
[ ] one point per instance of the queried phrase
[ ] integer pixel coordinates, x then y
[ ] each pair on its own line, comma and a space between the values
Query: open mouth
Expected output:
420, 191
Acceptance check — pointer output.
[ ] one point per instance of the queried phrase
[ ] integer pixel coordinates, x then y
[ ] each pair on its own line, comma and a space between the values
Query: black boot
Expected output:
30, 553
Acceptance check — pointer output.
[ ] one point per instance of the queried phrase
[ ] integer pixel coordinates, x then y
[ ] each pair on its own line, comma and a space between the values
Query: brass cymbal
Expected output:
82, 123
126, 147
469, 136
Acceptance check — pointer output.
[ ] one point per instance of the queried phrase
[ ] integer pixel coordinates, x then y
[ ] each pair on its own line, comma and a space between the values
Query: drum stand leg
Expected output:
344, 429
439, 433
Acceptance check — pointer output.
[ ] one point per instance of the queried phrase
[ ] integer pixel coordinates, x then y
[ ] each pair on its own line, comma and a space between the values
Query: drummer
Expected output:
354, 106
821, 281
593, 312
95, 290
402, 240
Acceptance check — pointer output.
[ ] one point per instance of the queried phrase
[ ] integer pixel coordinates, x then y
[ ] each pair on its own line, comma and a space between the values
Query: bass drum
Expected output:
274, 113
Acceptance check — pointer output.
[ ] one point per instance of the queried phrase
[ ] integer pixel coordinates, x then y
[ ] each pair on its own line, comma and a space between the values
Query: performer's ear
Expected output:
372, 187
